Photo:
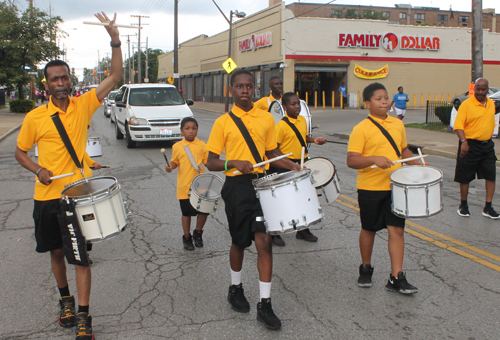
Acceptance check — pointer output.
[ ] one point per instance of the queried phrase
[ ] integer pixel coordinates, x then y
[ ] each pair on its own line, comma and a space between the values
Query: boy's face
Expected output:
292, 107
189, 131
242, 90
379, 103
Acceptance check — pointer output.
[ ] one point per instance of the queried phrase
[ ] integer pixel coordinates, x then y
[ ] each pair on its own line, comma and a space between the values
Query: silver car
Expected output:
110, 100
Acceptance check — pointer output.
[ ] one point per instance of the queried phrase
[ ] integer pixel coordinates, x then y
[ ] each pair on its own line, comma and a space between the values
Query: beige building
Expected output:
315, 55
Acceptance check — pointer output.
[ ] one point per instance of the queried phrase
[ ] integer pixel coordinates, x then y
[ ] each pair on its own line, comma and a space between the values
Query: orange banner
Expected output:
362, 72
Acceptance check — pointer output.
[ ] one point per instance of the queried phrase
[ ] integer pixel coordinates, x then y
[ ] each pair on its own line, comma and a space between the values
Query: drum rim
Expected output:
419, 184
205, 174
331, 179
258, 185
93, 178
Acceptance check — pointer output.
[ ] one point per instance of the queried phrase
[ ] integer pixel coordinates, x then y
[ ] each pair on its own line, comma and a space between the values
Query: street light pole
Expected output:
176, 44
226, 107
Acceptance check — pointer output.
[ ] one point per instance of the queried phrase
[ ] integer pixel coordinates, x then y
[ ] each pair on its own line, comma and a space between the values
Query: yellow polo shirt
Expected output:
87, 160
287, 139
477, 120
225, 135
368, 140
264, 103
186, 171
39, 128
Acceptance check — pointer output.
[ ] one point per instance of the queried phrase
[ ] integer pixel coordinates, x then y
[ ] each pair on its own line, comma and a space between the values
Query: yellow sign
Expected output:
171, 80
229, 65
362, 72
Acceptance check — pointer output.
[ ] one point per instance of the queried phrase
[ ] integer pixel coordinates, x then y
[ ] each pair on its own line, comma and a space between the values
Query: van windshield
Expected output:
159, 96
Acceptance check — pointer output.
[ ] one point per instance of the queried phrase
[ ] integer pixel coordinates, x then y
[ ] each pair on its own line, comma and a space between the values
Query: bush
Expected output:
444, 113
22, 105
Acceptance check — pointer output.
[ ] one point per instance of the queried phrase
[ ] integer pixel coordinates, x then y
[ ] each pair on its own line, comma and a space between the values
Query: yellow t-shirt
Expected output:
287, 139
477, 120
264, 102
39, 128
225, 135
186, 171
87, 160
368, 140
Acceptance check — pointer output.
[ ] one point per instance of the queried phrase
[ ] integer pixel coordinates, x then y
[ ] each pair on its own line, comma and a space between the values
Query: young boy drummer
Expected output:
241, 204
288, 142
185, 175
368, 146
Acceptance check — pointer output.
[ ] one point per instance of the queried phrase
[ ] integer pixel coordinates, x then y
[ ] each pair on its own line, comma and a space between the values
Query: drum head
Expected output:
207, 186
276, 110
322, 170
304, 112
416, 175
89, 186
281, 179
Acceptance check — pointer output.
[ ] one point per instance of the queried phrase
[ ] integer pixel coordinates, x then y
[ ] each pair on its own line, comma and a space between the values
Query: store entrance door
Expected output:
316, 80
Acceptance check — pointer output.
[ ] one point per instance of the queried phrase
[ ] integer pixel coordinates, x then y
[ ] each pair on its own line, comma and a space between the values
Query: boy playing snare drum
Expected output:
185, 175
368, 146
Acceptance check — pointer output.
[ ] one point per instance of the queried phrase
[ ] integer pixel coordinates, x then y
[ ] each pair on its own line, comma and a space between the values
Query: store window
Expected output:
442, 17
386, 15
419, 16
463, 19
402, 15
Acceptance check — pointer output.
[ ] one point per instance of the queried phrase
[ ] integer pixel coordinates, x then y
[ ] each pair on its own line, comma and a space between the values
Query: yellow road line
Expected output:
437, 242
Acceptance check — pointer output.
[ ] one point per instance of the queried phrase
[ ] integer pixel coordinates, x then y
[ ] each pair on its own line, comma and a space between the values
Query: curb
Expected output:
11, 131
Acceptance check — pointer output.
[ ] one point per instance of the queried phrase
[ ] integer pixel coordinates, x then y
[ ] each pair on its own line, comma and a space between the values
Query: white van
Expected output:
149, 112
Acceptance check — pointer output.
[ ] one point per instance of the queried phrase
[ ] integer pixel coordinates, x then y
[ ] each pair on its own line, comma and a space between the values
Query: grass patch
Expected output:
432, 126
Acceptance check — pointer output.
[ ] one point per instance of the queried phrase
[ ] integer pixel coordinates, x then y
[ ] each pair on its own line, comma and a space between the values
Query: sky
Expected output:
84, 44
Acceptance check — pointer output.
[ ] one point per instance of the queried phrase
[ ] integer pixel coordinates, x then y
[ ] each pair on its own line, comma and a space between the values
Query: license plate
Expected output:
165, 132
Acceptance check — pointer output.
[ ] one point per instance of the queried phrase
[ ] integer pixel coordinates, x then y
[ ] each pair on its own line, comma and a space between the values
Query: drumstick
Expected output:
102, 167
302, 157
404, 160
420, 154
265, 162
332, 141
107, 24
164, 155
60, 176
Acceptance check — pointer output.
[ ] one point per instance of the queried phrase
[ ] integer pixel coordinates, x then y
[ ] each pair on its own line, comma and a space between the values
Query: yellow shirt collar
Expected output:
378, 120
240, 113
53, 109
293, 120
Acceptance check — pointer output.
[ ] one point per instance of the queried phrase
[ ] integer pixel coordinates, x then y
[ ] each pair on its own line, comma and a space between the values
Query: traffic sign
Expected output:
229, 65
146, 80
171, 80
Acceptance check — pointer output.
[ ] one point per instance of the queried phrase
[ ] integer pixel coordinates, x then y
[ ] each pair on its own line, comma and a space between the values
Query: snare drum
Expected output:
99, 206
205, 192
325, 179
288, 201
304, 111
416, 191
276, 110
94, 148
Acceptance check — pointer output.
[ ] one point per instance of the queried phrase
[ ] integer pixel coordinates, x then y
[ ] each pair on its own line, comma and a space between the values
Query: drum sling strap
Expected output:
191, 158
248, 138
387, 135
294, 128
74, 243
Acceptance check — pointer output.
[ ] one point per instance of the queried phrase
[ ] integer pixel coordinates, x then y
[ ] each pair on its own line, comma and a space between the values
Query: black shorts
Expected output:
479, 162
188, 210
47, 232
273, 170
375, 210
242, 209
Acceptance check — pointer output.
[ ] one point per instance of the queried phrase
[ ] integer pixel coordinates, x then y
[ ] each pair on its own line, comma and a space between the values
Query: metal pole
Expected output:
176, 45
147, 67
130, 79
139, 53
477, 40
226, 107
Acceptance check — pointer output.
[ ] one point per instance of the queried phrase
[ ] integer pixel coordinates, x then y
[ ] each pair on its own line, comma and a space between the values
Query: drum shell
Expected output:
283, 204
204, 204
94, 148
101, 215
327, 191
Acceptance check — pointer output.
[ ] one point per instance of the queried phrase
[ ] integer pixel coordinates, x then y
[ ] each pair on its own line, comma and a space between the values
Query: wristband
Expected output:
465, 140
225, 165
118, 44
38, 171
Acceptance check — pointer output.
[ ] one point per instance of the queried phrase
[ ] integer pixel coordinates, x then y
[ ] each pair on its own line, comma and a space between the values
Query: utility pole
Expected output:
176, 44
129, 67
147, 60
133, 66
477, 40
139, 46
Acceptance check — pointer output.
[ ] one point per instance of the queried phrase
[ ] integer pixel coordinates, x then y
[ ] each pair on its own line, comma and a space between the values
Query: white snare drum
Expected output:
288, 201
205, 192
276, 110
304, 111
416, 191
325, 179
99, 206
94, 148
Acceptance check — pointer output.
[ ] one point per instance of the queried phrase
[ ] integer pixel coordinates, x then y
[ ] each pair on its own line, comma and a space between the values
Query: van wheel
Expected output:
130, 142
118, 133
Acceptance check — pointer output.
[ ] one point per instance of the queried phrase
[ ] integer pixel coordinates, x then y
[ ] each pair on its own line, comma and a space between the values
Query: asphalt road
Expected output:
145, 286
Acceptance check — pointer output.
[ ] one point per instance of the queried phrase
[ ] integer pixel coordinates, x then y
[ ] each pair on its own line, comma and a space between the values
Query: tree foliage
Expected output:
26, 40
352, 13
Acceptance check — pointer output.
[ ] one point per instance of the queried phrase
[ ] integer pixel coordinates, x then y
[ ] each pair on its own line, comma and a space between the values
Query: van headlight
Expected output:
138, 121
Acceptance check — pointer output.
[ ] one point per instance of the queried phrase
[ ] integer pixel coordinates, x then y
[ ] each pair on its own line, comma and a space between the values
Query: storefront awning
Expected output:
319, 68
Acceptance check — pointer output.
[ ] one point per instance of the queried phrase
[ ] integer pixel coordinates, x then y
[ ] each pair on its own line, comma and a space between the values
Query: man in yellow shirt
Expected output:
54, 159
241, 204
476, 156
276, 86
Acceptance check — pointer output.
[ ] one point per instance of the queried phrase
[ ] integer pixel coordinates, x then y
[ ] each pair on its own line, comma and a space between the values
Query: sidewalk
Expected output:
9, 122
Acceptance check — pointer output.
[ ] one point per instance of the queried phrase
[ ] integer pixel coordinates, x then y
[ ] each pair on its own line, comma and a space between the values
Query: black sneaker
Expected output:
463, 210
67, 313
187, 241
197, 237
266, 315
400, 284
306, 235
365, 275
278, 241
84, 327
237, 299
491, 213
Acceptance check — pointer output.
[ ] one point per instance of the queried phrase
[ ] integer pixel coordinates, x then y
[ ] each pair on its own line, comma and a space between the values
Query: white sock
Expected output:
265, 290
235, 277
